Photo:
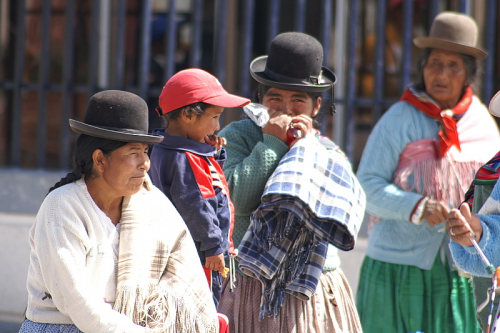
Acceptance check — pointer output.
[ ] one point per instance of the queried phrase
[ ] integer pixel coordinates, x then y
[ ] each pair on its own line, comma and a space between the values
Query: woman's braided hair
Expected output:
84, 164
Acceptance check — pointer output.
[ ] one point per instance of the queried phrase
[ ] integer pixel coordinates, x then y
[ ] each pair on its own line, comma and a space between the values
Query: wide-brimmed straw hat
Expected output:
294, 62
453, 32
116, 115
195, 85
494, 106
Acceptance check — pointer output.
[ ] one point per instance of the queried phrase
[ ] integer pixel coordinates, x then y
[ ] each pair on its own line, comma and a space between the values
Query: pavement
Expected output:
7, 327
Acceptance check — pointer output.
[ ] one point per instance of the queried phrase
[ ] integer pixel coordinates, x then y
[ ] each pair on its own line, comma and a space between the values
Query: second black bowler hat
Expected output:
294, 62
116, 115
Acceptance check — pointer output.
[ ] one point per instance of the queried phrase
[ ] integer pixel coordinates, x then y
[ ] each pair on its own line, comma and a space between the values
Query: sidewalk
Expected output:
6, 327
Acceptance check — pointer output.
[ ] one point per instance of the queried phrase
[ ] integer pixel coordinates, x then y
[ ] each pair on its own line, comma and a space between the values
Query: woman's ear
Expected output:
316, 108
99, 160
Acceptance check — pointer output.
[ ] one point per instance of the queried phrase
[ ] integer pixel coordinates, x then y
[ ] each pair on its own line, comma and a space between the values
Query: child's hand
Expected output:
215, 263
215, 141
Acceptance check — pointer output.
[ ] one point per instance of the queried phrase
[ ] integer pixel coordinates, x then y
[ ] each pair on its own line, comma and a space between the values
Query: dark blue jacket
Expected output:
191, 177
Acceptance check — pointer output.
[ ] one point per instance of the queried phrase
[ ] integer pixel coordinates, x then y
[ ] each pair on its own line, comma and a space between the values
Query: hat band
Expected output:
123, 130
287, 79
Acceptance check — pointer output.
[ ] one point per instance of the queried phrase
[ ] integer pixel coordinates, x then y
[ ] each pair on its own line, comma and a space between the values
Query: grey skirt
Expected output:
29, 326
332, 309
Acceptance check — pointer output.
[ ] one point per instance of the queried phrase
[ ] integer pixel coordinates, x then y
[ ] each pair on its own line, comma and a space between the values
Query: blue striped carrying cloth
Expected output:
312, 199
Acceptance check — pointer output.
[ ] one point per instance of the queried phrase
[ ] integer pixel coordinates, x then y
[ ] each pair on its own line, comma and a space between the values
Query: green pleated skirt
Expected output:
395, 298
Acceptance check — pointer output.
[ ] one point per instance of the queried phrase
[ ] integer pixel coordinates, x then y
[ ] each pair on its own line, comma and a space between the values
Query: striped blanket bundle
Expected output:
312, 199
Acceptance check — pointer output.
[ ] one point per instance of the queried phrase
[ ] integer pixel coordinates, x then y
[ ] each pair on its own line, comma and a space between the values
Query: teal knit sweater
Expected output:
252, 157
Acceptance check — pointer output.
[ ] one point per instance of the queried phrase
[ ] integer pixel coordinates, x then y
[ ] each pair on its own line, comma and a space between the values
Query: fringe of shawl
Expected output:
151, 309
302, 244
443, 179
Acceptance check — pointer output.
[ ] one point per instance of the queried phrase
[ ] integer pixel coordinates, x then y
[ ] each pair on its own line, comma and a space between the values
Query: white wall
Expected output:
21, 193
14, 260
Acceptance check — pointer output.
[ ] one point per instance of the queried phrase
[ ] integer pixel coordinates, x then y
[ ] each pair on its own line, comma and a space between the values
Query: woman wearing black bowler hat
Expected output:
289, 277
109, 252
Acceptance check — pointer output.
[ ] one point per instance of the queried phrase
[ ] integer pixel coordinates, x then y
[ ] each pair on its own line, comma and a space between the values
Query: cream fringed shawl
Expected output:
160, 282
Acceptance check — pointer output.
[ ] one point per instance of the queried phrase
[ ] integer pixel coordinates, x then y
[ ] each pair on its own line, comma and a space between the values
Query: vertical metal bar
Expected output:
67, 79
220, 39
1, 49
18, 83
465, 7
144, 46
340, 53
433, 10
94, 44
104, 43
248, 12
407, 42
489, 44
170, 42
43, 81
326, 21
119, 59
351, 78
378, 90
197, 22
300, 15
274, 20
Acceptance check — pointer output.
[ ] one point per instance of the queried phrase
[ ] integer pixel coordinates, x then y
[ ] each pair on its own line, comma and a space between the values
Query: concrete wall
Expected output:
21, 193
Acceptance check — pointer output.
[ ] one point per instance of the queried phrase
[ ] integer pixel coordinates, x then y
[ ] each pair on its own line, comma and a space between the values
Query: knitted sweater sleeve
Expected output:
467, 257
391, 134
59, 245
251, 159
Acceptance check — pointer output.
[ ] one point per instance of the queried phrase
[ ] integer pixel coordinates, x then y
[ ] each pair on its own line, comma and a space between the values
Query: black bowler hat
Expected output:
116, 115
294, 62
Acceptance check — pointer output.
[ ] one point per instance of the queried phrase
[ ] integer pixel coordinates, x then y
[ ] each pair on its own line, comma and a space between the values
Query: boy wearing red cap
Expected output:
187, 164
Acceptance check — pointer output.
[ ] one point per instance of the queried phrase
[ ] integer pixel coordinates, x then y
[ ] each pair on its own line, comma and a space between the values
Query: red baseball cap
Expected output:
196, 85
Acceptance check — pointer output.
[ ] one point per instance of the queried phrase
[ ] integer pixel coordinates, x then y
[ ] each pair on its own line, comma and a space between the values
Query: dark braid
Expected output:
84, 164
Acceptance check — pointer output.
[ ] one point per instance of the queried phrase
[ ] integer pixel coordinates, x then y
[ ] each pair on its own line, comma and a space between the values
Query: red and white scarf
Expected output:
447, 118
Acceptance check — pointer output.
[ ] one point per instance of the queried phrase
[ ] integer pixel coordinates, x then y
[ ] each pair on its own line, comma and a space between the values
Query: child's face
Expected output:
204, 125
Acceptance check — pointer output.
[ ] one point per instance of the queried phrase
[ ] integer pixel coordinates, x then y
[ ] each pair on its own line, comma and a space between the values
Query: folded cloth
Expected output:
312, 199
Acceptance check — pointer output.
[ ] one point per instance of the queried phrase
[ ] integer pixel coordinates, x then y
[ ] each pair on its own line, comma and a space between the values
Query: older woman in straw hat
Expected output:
417, 164
109, 252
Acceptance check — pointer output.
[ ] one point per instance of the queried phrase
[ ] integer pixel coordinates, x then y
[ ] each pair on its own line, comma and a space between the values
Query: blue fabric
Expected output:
311, 199
29, 326
394, 239
466, 257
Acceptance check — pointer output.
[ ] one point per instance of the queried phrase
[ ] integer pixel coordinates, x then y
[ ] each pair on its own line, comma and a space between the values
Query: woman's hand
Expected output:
457, 225
277, 125
215, 141
215, 263
303, 125
435, 212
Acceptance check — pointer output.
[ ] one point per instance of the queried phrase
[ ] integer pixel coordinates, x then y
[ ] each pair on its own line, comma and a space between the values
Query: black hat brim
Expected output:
325, 79
109, 134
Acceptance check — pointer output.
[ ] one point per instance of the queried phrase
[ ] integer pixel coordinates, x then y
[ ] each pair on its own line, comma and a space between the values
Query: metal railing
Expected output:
107, 44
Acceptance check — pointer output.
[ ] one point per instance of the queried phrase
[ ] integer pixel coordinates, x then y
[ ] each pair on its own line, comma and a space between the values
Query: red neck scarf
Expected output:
447, 118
